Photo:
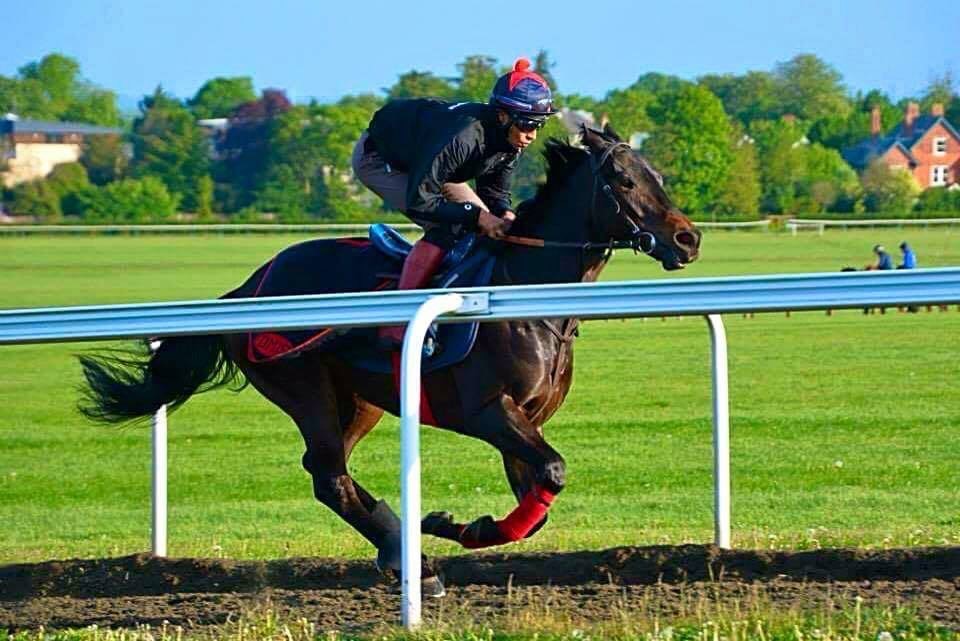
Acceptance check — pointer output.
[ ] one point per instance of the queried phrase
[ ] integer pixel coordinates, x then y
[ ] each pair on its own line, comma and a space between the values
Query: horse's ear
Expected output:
591, 137
608, 130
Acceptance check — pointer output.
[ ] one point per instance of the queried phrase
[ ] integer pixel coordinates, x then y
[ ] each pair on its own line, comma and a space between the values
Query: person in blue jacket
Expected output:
909, 258
883, 259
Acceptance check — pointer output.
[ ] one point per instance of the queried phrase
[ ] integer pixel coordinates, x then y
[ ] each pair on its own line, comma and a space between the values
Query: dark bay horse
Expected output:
515, 378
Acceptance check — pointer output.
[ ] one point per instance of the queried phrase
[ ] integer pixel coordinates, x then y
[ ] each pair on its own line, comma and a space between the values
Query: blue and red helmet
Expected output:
523, 91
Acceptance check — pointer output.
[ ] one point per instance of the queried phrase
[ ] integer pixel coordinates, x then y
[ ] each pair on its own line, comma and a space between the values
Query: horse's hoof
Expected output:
440, 524
432, 587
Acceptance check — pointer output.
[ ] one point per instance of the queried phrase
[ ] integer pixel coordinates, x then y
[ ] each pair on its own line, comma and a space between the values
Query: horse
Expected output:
597, 197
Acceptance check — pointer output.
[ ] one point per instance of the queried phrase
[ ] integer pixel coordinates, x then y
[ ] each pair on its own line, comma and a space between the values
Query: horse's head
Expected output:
630, 203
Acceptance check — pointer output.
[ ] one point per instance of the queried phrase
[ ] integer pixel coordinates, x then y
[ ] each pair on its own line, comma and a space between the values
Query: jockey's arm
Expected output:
425, 189
493, 188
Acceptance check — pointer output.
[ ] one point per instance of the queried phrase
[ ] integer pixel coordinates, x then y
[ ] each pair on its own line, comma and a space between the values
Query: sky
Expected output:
325, 50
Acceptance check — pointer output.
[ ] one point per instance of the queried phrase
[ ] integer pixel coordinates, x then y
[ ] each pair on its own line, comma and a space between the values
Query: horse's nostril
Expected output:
687, 239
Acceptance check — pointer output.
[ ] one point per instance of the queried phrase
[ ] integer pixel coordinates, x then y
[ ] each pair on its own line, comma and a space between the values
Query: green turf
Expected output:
843, 427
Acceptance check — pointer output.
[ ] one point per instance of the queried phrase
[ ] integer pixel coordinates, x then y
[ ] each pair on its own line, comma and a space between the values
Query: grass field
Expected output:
844, 428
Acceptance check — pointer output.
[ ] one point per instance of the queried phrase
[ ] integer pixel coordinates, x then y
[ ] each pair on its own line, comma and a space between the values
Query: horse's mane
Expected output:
562, 160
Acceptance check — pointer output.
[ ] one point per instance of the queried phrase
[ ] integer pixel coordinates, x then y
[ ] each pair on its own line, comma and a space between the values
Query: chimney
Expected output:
789, 118
875, 125
936, 110
911, 114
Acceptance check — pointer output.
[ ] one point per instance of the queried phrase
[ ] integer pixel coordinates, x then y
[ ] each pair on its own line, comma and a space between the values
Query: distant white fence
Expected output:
800, 224
703, 296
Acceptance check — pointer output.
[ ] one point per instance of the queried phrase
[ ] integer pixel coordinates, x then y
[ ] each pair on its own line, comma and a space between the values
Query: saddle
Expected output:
357, 265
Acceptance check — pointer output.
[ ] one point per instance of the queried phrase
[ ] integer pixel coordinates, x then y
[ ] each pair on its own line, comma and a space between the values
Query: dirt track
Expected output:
578, 585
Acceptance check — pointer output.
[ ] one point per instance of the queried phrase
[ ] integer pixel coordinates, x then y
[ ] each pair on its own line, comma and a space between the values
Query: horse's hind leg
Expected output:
303, 388
536, 471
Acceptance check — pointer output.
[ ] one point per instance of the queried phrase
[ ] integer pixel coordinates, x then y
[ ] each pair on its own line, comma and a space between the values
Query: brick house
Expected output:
928, 146
30, 149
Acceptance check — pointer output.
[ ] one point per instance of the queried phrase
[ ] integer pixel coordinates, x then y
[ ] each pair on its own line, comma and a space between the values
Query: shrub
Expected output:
939, 199
36, 198
129, 201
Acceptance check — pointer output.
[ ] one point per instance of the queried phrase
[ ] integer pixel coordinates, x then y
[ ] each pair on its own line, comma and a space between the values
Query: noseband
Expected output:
640, 240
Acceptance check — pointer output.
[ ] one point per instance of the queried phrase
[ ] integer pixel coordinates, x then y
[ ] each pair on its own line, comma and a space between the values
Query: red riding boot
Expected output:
418, 269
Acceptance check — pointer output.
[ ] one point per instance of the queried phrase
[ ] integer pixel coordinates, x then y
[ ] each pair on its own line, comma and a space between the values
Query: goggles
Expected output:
526, 124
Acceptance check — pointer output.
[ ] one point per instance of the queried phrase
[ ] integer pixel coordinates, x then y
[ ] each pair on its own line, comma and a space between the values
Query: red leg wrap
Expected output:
514, 527
533, 507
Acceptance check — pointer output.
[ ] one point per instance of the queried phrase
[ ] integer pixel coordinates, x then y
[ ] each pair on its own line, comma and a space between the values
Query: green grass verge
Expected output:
844, 428
707, 621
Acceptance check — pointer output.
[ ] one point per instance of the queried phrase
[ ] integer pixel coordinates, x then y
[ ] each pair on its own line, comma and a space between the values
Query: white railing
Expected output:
708, 297
799, 224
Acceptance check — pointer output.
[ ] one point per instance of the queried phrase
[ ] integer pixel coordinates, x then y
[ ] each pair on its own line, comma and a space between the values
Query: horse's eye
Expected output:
625, 181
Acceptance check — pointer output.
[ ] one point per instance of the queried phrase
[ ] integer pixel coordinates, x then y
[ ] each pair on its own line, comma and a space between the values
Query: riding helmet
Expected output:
523, 91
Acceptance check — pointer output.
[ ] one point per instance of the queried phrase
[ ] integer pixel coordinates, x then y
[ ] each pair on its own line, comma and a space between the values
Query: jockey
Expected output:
418, 155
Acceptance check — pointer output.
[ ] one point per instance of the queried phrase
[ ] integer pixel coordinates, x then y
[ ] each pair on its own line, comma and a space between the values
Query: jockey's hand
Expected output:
492, 226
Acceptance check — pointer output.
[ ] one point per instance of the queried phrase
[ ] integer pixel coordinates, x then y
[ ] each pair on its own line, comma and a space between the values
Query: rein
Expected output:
640, 241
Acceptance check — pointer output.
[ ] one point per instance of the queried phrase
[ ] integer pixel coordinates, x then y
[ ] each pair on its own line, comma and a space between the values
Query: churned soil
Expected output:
609, 585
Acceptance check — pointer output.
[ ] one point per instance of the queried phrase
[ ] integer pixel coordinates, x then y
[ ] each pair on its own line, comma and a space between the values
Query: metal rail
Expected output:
675, 297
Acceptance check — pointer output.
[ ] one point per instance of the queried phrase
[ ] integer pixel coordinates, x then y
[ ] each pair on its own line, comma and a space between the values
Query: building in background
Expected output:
928, 146
30, 149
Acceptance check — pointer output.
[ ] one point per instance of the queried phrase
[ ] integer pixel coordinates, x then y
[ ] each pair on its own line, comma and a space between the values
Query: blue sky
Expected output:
328, 49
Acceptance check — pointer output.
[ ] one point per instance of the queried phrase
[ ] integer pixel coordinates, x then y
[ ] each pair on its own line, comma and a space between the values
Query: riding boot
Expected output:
418, 269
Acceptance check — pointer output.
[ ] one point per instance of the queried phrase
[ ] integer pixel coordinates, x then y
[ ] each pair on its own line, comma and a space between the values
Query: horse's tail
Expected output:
126, 385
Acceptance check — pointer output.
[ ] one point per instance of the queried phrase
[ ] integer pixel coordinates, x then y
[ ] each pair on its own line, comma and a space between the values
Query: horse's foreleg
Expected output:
503, 425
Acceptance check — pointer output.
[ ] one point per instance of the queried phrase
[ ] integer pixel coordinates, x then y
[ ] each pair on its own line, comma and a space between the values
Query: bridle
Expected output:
640, 241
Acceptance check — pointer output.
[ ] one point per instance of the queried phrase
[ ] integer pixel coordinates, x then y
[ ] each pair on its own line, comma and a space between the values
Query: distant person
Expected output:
909, 258
883, 259
909, 262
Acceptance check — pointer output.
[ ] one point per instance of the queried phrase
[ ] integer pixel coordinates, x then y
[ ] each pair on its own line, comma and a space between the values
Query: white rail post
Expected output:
159, 477
721, 431
410, 451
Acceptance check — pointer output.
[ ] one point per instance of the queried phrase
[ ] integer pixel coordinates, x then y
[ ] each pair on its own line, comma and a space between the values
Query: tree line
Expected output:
729, 146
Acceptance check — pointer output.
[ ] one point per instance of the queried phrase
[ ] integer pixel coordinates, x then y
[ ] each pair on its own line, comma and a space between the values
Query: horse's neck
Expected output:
565, 218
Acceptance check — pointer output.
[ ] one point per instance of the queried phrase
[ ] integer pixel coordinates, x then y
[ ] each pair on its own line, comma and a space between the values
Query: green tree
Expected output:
579, 101
692, 146
57, 76
52, 89
628, 110
827, 181
104, 158
477, 77
839, 131
96, 106
740, 193
752, 96
779, 144
941, 90
660, 84
168, 144
888, 190
810, 88
421, 84
344, 121
217, 98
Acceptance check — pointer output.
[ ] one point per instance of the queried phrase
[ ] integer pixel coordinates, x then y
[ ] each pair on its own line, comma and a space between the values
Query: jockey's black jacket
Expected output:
437, 142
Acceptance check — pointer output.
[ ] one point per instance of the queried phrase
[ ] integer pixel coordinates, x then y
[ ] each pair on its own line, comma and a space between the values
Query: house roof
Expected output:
865, 151
14, 125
